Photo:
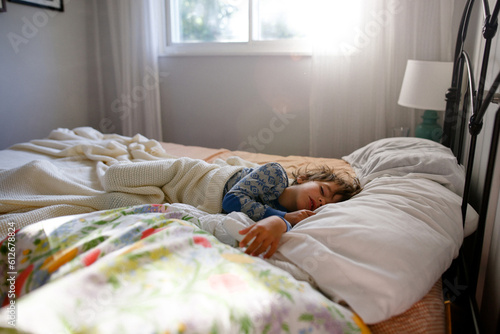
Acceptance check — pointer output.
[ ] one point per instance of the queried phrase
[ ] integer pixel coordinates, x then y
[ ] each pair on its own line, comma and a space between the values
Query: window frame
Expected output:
250, 48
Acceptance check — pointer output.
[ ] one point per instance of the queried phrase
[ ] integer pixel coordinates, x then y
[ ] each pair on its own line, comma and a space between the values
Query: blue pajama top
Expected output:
255, 192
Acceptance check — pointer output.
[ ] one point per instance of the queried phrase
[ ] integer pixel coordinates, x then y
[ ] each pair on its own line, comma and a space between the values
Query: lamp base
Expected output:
429, 129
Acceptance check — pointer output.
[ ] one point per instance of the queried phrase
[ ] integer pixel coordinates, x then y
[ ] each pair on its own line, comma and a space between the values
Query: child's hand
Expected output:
296, 216
267, 233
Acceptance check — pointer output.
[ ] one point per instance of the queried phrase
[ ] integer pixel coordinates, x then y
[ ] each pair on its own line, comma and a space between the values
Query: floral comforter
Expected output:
151, 269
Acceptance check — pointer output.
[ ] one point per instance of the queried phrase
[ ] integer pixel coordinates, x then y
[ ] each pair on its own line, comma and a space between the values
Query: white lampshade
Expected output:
425, 84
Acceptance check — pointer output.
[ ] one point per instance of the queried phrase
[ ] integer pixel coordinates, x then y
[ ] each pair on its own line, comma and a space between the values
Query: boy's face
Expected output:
310, 195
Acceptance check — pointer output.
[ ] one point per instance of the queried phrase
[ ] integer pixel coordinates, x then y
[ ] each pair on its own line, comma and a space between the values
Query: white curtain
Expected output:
127, 51
357, 73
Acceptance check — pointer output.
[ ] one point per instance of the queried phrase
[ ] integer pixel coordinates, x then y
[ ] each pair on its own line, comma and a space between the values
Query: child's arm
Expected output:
296, 216
267, 233
262, 185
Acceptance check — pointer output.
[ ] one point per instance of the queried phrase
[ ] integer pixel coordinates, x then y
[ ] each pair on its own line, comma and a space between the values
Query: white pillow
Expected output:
413, 157
408, 156
382, 250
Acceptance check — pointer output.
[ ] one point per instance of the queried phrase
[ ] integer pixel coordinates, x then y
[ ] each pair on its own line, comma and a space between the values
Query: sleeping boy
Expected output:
262, 193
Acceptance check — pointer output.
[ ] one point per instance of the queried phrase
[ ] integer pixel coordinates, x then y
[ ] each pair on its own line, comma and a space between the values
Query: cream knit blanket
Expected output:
182, 180
66, 173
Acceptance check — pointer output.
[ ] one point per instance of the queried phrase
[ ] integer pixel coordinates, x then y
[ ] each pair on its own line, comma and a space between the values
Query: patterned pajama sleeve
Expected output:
257, 193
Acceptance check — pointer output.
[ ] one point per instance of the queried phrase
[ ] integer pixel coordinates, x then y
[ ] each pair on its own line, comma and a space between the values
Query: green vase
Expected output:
429, 128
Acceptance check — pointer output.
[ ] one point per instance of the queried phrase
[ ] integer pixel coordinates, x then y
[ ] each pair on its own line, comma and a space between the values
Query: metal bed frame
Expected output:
461, 306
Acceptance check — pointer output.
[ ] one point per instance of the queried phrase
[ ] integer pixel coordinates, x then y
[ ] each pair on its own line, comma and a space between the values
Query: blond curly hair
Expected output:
349, 186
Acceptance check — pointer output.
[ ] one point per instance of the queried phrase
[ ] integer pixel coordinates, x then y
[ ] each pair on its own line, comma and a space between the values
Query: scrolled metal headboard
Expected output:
454, 130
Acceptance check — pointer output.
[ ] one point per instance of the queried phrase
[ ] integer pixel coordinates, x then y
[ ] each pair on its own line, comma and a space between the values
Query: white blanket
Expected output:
63, 175
179, 180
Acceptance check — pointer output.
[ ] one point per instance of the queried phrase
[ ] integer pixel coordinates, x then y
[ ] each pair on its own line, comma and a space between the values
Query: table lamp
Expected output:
424, 87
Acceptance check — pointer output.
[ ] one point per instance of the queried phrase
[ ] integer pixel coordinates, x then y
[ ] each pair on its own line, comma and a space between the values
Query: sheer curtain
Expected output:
357, 74
127, 48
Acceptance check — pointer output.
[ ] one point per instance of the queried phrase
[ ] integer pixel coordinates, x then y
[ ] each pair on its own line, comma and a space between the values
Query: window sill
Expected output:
237, 49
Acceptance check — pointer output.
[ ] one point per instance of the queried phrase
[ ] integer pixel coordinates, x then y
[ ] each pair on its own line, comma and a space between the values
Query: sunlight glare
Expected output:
313, 20
333, 21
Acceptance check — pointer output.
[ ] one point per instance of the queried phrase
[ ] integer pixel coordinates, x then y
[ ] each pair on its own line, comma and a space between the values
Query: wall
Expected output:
235, 98
249, 103
44, 66
252, 103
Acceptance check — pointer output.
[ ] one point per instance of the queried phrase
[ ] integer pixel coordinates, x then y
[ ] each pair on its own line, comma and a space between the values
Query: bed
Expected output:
79, 259
97, 266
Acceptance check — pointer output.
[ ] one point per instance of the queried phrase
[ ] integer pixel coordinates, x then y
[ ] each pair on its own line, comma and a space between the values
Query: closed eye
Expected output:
334, 196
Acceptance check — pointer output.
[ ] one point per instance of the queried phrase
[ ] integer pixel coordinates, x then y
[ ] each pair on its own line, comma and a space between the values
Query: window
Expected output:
250, 26
209, 21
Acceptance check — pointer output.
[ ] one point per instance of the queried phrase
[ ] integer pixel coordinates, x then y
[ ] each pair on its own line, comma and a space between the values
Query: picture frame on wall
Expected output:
2, 6
49, 4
